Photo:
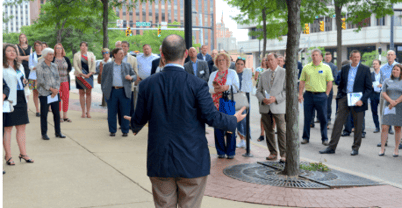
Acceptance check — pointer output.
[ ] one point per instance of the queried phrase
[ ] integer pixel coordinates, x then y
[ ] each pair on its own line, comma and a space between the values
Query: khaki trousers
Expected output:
270, 132
178, 192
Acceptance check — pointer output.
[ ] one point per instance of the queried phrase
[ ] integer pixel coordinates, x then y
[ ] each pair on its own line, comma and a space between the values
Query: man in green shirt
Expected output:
317, 78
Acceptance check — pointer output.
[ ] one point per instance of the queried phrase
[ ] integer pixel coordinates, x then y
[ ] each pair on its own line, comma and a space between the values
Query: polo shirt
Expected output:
316, 77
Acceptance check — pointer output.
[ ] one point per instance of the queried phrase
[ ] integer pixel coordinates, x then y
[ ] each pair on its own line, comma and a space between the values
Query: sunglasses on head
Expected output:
241, 58
105, 52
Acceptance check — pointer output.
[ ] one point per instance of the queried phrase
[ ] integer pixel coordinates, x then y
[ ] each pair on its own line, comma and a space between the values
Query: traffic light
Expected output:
306, 29
128, 32
159, 32
322, 28
343, 23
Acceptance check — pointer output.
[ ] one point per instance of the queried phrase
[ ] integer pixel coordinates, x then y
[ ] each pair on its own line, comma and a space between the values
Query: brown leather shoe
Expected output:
272, 157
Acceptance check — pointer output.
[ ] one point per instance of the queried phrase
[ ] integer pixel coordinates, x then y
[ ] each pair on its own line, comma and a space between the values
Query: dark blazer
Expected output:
107, 79
207, 57
176, 106
155, 64
362, 84
202, 69
69, 68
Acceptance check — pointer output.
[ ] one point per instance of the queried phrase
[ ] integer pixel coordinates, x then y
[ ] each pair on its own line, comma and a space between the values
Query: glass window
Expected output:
365, 23
397, 18
381, 21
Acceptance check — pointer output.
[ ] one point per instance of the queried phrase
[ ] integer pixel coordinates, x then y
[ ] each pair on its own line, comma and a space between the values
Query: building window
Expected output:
397, 18
365, 23
381, 21
41, 2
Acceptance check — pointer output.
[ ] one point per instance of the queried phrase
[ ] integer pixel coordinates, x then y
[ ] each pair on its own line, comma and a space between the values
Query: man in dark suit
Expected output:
155, 63
211, 64
195, 66
117, 78
204, 55
354, 78
176, 106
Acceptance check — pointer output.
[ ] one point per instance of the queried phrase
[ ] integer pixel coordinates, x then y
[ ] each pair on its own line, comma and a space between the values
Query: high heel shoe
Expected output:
381, 154
9, 161
23, 157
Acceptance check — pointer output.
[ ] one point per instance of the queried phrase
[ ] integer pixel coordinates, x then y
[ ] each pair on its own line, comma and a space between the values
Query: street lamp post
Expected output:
212, 28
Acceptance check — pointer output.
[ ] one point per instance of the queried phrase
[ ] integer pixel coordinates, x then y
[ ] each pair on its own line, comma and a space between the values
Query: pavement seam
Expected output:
117, 204
93, 153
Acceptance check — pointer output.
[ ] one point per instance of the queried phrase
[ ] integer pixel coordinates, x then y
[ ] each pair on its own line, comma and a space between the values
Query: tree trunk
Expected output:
264, 30
338, 16
105, 23
292, 105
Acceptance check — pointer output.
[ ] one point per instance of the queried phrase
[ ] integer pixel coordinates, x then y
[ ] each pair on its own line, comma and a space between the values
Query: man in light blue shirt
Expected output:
385, 72
145, 62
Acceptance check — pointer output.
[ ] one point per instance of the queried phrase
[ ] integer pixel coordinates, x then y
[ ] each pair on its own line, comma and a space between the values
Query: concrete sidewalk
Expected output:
87, 169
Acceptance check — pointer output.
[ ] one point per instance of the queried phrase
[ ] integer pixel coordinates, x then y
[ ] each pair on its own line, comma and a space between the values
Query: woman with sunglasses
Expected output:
106, 59
246, 85
64, 67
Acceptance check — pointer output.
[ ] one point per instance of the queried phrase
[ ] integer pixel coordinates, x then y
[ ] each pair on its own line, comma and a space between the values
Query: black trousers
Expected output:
44, 110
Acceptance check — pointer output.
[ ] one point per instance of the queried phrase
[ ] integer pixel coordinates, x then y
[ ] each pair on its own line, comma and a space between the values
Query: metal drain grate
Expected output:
259, 174
333, 178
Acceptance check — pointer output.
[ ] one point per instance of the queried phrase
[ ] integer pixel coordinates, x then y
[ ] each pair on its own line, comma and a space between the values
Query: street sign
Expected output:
119, 23
144, 24
163, 25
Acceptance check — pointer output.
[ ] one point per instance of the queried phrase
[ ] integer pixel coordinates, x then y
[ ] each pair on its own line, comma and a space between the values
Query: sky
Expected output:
222, 6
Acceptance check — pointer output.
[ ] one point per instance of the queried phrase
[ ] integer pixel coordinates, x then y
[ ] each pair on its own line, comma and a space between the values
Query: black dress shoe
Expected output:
325, 143
37, 114
327, 151
312, 125
390, 131
221, 156
45, 137
112, 134
230, 156
386, 144
354, 152
344, 134
304, 141
60, 136
363, 135
125, 134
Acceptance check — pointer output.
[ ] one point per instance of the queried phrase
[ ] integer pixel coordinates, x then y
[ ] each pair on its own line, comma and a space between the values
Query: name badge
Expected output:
202, 72
390, 81
321, 72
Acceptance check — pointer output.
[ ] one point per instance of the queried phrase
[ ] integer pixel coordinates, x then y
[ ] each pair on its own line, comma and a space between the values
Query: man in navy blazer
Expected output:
354, 78
155, 62
204, 55
176, 106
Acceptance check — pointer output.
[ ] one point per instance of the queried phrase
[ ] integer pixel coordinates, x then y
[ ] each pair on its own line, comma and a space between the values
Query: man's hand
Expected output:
359, 103
265, 101
380, 85
301, 98
34, 69
271, 100
129, 119
239, 114
128, 77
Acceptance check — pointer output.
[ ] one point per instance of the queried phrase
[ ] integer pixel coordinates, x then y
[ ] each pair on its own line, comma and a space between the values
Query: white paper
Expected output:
376, 83
354, 97
267, 95
52, 100
32, 75
6, 107
388, 111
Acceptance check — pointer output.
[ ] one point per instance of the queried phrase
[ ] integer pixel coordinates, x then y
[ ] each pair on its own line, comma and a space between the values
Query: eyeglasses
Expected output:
241, 58
58, 48
220, 60
103, 53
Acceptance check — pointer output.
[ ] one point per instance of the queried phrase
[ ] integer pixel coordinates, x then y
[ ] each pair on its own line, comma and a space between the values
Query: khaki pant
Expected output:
178, 192
270, 132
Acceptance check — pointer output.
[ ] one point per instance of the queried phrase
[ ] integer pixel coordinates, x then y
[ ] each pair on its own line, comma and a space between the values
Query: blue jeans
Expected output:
230, 147
118, 102
329, 108
318, 102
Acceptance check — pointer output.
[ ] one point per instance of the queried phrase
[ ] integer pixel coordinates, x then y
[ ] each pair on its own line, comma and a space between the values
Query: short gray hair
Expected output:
316, 50
117, 42
46, 51
391, 51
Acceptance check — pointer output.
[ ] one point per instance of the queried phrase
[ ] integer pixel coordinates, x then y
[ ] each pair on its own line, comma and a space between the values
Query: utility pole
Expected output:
188, 36
391, 44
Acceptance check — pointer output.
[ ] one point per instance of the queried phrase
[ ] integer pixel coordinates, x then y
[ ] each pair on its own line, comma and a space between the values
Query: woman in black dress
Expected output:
17, 115
24, 50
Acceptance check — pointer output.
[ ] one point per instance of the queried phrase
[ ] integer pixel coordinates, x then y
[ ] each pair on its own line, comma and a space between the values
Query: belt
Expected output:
315, 92
117, 87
